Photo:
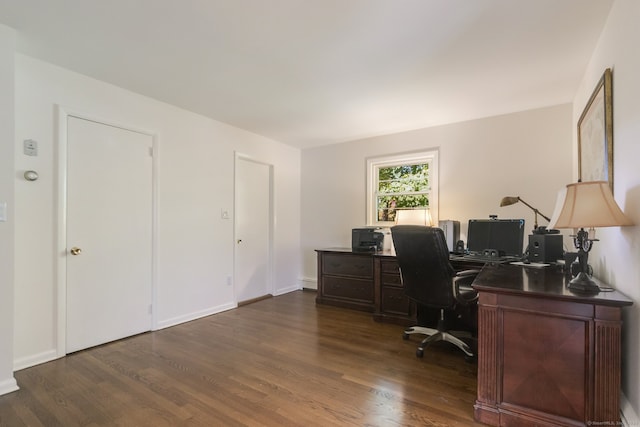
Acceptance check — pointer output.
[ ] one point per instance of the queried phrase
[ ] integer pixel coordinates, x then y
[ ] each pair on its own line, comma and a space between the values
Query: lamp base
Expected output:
583, 283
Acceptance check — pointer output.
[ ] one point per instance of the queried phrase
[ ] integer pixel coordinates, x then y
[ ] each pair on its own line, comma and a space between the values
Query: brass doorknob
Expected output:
75, 251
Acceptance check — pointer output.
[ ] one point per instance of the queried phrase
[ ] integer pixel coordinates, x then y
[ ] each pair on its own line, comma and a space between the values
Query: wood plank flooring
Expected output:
282, 361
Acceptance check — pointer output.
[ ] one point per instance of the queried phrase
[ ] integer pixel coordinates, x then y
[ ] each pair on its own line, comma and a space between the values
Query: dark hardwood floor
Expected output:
282, 361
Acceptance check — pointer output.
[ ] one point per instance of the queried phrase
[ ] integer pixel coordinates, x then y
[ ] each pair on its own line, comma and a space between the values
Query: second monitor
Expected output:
505, 236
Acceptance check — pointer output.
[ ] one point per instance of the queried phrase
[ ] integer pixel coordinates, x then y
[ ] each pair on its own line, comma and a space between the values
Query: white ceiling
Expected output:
313, 72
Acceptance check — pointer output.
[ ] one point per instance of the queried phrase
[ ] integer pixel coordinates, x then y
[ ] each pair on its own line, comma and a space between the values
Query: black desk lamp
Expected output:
512, 200
586, 205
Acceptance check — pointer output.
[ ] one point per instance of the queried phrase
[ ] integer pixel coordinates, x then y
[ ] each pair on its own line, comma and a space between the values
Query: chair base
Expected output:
436, 335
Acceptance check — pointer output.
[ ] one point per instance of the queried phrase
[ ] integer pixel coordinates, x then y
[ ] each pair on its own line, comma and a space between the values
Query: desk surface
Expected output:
387, 252
390, 253
548, 282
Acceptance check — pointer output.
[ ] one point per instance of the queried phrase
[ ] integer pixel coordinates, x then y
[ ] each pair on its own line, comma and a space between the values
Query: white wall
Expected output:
526, 154
7, 228
195, 183
615, 256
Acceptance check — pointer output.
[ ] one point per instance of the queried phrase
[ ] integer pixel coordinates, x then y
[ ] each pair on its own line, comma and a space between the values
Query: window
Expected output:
402, 181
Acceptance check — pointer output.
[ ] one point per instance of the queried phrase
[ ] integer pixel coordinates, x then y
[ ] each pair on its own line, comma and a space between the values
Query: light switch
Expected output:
3, 211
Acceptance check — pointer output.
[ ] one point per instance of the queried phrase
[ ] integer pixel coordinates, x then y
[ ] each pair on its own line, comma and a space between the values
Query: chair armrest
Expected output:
462, 290
465, 273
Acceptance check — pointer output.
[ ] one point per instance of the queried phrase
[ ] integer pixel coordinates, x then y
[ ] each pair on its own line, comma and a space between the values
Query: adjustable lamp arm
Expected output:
506, 201
534, 209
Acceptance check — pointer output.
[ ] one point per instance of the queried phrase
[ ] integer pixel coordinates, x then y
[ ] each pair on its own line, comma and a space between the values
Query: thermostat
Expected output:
30, 147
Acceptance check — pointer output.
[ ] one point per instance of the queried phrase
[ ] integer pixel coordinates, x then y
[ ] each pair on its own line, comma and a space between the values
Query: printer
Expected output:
366, 239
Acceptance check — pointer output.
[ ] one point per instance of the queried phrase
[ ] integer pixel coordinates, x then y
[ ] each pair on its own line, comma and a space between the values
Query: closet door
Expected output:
109, 233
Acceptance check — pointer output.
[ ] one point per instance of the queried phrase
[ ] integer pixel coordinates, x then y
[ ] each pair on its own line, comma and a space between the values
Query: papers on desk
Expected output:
531, 264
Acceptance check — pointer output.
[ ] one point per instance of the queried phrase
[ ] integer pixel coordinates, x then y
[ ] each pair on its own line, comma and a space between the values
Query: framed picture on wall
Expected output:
595, 134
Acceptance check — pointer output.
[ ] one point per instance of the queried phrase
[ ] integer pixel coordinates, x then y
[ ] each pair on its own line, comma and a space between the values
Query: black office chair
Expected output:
430, 280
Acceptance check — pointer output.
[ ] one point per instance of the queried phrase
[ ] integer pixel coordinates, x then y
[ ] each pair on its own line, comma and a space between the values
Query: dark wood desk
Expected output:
546, 356
345, 279
369, 281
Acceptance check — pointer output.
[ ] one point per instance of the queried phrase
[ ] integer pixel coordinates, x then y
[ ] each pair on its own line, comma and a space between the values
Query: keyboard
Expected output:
484, 258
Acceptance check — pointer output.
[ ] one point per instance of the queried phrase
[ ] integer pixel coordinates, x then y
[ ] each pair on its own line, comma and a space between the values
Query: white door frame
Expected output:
272, 220
60, 261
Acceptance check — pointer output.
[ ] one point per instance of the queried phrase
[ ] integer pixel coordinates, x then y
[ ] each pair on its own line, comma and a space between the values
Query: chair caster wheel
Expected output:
419, 353
405, 336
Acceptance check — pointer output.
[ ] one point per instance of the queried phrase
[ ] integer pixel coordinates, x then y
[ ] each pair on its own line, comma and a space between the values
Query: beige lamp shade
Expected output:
587, 205
413, 217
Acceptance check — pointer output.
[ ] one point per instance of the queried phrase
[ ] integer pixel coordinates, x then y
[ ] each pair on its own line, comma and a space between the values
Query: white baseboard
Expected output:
309, 283
193, 316
8, 385
35, 359
286, 290
629, 416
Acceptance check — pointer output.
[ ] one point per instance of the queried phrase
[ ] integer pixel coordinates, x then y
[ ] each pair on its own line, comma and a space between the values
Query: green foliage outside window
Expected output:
402, 187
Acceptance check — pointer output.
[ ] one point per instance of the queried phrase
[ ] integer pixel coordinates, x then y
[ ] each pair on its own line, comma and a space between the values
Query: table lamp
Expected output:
586, 205
512, 200
413, 217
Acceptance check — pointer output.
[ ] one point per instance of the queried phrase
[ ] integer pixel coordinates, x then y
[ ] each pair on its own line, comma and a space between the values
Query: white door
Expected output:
252, 229
109, 233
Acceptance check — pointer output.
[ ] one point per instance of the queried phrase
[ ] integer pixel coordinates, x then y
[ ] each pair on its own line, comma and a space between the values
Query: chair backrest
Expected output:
423, 257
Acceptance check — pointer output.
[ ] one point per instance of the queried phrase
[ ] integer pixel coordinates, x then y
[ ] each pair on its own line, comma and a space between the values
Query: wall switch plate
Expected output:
30, 147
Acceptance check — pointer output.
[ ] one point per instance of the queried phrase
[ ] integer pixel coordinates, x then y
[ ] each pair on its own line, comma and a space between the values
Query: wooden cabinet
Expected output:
364, 281
345, 279
546, 356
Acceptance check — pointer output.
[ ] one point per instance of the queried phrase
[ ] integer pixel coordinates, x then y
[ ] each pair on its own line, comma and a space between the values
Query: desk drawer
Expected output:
391, 280
348, 265
394, 301
347, 288
389, 266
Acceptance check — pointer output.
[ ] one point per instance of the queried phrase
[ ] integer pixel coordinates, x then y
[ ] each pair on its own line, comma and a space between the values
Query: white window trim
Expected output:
373, 163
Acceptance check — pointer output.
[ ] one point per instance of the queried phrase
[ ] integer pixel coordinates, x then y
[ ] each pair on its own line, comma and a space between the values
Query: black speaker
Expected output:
545, 247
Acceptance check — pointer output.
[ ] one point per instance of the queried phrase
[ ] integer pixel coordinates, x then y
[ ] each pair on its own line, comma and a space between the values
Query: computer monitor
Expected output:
503, 235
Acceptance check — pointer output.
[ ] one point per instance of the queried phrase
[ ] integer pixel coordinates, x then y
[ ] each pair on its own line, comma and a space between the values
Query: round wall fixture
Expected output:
31, 175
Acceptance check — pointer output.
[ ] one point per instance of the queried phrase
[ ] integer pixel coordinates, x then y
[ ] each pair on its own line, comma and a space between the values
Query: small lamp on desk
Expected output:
413, 217
586, 205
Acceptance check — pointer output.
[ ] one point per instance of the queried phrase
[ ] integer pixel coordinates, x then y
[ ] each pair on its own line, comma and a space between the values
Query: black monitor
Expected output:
503, 235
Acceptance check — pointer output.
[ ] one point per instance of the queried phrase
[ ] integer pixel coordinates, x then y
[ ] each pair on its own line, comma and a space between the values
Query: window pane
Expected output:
387, 205
404, 178
386, 215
